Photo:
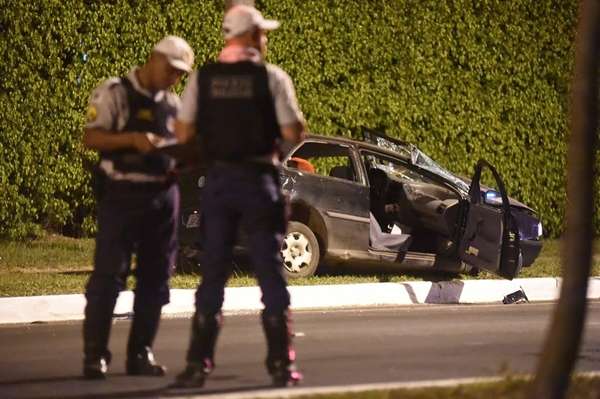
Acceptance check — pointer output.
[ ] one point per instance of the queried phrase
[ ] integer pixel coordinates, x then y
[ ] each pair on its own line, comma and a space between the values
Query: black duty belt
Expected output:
128, 186
256, 166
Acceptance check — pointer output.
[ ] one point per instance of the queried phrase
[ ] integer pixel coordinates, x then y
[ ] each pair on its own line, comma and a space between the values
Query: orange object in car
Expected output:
303, 164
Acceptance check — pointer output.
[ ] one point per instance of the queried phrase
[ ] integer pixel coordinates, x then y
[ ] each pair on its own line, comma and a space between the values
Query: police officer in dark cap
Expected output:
241, 108
138, 204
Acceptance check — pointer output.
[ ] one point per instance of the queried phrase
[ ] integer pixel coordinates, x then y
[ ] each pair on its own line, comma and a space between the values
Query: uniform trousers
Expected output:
141, 219
247, 196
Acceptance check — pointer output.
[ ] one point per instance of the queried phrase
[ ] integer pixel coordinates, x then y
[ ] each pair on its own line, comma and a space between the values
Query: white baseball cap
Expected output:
178, 52
241, 18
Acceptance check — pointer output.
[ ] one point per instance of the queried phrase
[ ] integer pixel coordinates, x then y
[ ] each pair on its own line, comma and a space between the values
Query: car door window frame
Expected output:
359, 177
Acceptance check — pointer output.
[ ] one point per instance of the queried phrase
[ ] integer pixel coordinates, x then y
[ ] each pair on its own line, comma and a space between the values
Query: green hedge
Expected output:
462, 79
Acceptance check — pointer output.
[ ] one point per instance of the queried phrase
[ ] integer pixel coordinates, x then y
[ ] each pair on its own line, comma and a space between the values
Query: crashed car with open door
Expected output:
382, 204
490, 240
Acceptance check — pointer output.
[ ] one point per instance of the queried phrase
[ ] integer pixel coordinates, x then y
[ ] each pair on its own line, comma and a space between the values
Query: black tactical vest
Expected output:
236, 114
145, 115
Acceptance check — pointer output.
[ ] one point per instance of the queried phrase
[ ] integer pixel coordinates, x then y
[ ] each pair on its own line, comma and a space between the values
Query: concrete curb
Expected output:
70, 307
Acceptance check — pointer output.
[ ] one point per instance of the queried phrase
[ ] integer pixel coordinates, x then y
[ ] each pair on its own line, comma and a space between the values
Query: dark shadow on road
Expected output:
78, 392
27, 381
76, 387
205, 391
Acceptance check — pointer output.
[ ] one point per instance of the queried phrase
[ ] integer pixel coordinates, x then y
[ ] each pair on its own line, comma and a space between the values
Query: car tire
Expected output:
300, 251
187, 261
468, 270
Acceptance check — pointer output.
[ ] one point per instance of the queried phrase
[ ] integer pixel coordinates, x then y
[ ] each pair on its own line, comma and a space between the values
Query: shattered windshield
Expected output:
401, 149
422, 160
416, 157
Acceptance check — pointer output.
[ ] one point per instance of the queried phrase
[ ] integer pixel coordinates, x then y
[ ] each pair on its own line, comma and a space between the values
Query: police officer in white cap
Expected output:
241, 109
138, 204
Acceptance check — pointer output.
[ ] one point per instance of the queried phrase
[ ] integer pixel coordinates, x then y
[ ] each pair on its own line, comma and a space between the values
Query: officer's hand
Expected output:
144, 142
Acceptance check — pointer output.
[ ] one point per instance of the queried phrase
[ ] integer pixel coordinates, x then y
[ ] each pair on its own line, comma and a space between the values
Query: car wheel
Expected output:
468, 269
187, 261
300, 251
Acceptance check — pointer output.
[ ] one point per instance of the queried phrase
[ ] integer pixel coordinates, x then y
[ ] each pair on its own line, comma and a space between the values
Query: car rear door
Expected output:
491, 239
336, 188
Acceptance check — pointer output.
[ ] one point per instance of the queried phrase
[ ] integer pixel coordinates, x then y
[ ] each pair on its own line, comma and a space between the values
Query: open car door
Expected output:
491, 239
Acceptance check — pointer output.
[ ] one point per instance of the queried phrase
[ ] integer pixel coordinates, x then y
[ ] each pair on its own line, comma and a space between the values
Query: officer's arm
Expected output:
101, 140
185, 125
289, 116
294, 133
107, 103
184, 131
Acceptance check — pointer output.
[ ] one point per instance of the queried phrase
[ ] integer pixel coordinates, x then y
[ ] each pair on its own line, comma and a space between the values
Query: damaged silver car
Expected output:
382, 204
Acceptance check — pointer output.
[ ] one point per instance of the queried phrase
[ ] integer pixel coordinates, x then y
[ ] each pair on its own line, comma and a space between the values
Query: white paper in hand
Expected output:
160, 142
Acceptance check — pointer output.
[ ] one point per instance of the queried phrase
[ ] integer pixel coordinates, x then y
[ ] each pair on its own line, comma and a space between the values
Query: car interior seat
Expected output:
378, 182
385, 241
378, 190
383, 190
342, 172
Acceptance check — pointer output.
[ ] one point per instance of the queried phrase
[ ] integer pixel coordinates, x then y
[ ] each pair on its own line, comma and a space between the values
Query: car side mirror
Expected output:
492, 197
291, 163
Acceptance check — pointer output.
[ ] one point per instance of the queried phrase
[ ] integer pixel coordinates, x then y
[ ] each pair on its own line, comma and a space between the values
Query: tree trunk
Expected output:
564, 337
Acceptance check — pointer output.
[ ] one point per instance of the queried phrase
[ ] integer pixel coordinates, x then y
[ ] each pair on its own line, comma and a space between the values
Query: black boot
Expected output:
96, 331
200, 356
281, 356
143, 363
140, 359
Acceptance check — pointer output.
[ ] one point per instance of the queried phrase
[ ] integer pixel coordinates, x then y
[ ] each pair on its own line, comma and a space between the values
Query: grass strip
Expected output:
48, 253
44, 283
60, 265
581, 387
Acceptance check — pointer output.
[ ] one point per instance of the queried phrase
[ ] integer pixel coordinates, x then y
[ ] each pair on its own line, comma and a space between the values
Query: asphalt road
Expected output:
338, 347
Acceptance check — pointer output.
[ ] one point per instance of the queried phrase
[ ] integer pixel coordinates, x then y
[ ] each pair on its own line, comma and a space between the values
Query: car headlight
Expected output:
540, 231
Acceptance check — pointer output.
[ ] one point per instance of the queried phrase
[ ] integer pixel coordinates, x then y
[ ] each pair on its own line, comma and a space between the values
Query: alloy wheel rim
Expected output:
296, 252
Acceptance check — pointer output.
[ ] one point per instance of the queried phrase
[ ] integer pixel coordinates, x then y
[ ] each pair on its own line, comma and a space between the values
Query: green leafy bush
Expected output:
462, 79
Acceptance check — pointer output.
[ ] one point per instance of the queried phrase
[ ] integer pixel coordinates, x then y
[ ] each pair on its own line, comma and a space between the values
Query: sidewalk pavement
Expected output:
243, 299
